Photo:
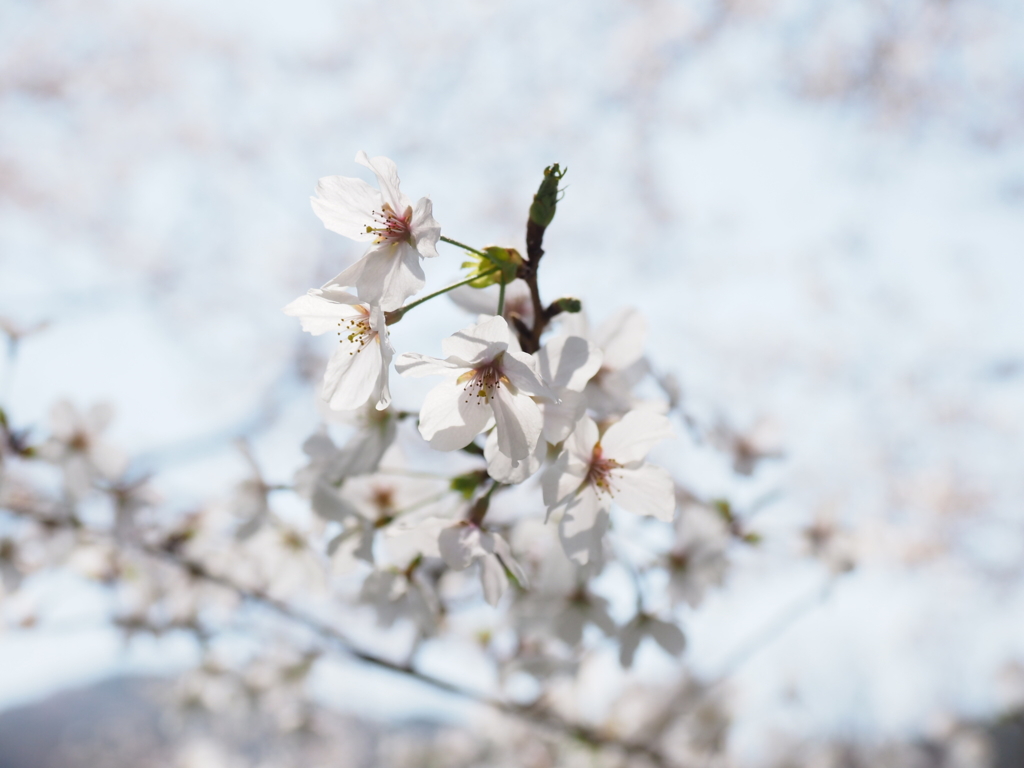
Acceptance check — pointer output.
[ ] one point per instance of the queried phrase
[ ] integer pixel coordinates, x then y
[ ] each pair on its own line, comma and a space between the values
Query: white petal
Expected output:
668, 636
425, 230
416, 365
580, 444
379, 324
330, 505
560, 418
319, 315
459, 545
629, 641
450, 419
493, 578
387, 178
518, 422
645, 490
501, 468
582, 526
496, 544
98, 418
521, 370
479, 342
64, 420
622, 338
630, 439
390, 274
108, 460
346, 206
353, 375
562, 479
568, 361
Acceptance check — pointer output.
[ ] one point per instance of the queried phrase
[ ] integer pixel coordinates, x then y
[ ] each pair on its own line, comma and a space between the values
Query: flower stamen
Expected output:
390, 227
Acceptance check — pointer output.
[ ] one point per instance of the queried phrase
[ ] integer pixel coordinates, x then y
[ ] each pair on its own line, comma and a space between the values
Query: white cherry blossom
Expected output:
621, 339
357, 372
400, 233
594, 470
464, 543
488, 377
77, 445
361, 454
566, 364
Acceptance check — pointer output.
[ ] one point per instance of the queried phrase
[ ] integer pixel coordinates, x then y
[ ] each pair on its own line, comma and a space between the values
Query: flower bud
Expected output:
542, 211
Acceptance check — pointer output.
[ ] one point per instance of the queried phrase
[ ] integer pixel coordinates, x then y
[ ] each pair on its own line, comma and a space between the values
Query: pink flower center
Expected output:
600, 473
390, 227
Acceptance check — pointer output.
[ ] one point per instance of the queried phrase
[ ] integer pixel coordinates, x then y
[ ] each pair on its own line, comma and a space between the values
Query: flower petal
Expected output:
622, 337
521, 370
425, 229
390, 274
480, 342
668, 636
630, 439
645, 490
582, 527
501, 468
319, 315
345, 205
416, 365
518, 422
493, 578
580, 444
449, 419
560, 418
558, 482
569, 361
353, 374
496, 544
387, 178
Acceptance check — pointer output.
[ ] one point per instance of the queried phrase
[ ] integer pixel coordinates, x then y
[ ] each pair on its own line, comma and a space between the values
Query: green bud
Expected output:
542, 211
569, 305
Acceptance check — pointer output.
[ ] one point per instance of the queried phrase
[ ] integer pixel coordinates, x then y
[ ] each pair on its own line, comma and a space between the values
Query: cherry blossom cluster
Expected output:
518, 389
510, 489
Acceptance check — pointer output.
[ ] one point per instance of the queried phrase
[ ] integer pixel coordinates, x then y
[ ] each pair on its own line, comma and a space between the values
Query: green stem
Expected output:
463, 246
395, 315
501, 297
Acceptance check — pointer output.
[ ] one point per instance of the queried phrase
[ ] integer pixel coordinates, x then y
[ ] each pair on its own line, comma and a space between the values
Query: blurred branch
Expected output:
168, 552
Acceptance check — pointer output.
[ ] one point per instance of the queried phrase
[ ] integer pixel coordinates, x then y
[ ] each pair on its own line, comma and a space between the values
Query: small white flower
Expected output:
399, 232
621, 339
371, 503
697, 561
358, 370
488, 377
464, 543
76, 444
593, 470
361, 455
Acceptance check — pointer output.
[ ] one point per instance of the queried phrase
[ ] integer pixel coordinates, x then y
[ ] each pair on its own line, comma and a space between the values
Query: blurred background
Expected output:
818, 206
